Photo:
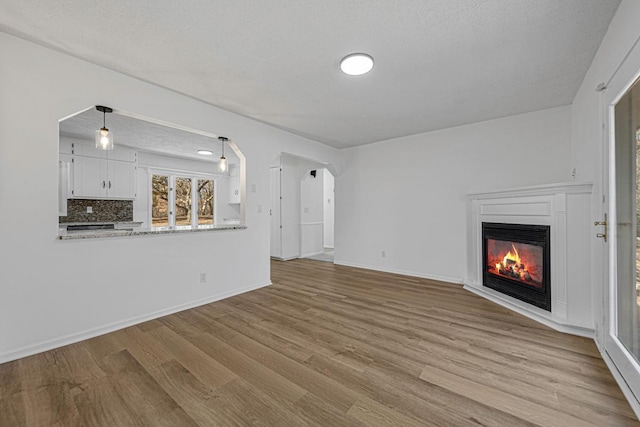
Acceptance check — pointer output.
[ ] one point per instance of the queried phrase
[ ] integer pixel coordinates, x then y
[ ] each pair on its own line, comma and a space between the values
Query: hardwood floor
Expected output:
325, 345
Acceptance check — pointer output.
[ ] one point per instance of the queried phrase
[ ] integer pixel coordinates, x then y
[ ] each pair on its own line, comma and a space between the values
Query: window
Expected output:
191, 199
160, 201
205, 201
183, 201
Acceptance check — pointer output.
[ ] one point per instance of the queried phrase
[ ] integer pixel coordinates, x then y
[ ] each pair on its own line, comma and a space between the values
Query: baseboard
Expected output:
531, 314
311, 254
399, 271
91, 333
631, 398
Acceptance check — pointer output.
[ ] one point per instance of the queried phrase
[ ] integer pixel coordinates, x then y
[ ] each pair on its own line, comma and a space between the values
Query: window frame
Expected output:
171, 199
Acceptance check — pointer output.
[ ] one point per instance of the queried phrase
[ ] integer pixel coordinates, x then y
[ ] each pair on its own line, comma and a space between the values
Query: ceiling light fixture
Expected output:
222, 164
356, 64
205, 152
104, 138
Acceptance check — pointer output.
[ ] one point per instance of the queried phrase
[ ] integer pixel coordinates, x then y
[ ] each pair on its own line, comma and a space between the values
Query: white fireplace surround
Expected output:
566, 208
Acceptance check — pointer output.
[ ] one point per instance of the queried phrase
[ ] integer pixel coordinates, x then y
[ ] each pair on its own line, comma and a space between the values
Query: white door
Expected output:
276, 229
621, 210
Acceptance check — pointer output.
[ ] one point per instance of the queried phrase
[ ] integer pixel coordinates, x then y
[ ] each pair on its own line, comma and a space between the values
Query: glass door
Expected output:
620, 230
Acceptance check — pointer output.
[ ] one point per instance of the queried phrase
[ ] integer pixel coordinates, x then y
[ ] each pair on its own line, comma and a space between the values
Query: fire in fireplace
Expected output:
516, 261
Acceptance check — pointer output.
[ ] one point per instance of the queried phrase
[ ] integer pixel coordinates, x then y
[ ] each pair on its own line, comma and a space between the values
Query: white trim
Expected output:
535, 190
530, 312
624, 387
452, 280
111, 327
181, 173
311, 254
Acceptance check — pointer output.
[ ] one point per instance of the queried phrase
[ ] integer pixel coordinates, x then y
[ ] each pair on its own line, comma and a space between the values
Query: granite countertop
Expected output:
92, 234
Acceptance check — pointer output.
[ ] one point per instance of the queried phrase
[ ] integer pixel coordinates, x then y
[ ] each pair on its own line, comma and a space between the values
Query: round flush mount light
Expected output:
205, 152
356, 64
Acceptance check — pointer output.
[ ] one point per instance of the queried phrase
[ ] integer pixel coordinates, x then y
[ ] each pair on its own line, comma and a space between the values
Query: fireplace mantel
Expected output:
565, 207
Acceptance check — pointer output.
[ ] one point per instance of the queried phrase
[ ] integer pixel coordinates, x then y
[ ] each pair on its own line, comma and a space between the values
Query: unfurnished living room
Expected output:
322, 213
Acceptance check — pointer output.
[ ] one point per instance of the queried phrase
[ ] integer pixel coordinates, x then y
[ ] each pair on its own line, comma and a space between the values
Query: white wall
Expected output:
54, 292
407, 196
329, 208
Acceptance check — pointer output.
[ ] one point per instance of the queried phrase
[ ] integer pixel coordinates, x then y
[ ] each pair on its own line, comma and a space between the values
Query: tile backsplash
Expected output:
103, 210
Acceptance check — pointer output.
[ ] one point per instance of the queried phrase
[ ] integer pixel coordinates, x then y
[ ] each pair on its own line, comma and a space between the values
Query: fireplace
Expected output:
516, 261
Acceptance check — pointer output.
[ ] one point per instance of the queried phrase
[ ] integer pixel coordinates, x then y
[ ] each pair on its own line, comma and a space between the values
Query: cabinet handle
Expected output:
109, 184
104, 184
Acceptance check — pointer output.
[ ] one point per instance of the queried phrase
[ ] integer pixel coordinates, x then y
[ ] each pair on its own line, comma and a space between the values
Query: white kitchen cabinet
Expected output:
89, 177
234, 190
104, 174
234, 185
64, 182
121, 178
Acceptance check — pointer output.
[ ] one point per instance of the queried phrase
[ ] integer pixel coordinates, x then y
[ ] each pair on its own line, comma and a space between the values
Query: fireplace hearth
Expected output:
516, 261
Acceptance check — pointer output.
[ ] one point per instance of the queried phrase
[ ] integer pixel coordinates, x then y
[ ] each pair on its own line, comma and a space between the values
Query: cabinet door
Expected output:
121, 182
64, 183
234, 189
89, 177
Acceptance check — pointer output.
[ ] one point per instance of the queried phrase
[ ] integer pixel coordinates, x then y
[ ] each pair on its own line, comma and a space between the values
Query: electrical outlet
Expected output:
89, 209
383, 254
259, 208
203, 277
253, 188
573, 173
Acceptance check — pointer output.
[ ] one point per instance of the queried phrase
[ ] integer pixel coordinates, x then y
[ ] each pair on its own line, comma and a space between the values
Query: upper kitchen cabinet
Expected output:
235, 193
103, 174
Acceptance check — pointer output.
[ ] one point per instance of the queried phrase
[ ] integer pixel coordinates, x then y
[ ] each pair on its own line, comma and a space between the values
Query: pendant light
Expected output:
104, 138
222, 164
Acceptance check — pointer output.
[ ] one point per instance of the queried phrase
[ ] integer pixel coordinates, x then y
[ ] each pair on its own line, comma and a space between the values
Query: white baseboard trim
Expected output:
311, 254
399, 271
531, 314
631, 398
94, 332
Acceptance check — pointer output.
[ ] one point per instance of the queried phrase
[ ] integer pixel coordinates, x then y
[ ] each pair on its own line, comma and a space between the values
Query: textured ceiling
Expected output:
146, 136
438, 63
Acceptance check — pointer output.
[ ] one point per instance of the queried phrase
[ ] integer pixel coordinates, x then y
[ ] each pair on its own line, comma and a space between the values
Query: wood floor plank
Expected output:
138, 388
12, 410
325, 345
203, 367
522, 408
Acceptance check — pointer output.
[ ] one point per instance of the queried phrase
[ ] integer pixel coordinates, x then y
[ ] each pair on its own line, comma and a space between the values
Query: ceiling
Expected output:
146, 136
438, 63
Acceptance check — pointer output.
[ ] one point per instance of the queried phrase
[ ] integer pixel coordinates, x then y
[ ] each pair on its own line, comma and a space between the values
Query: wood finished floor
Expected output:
325, 345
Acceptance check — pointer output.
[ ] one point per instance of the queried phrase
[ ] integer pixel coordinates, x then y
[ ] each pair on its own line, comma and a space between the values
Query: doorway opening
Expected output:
302, 209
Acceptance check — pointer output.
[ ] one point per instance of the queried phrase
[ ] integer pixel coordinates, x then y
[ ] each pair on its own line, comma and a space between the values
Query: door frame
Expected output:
624, 366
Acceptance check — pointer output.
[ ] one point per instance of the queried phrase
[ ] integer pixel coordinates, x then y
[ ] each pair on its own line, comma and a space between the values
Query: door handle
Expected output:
603, 224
